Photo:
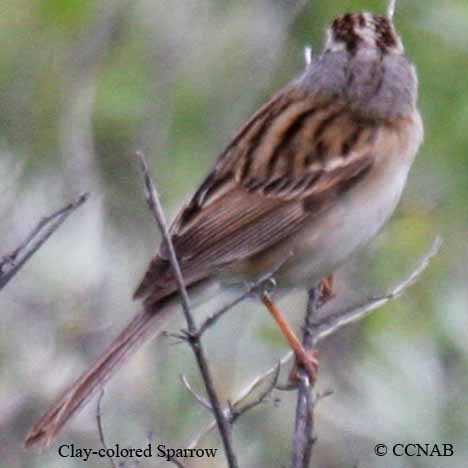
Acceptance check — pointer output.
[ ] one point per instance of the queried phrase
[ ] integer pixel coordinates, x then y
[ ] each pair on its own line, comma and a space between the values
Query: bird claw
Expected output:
326, 293
268, 287
307, 361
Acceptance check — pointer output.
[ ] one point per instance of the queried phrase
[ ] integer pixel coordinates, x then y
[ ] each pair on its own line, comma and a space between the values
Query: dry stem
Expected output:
12, 263
193, 336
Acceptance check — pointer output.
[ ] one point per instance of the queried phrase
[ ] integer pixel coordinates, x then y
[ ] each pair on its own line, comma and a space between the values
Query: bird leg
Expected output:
326, 290
306, 359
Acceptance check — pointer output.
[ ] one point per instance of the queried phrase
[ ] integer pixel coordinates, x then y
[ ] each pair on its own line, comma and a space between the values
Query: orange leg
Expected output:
304, 358
326, 289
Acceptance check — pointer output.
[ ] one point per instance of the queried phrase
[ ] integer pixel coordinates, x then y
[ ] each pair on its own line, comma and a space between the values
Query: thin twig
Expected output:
332, 323
308, 55
253, 288
203, 402
100, 428
391, 8
258, 381
152, 198
304, 421
238, 410
329, 325
12, 263
222, 421
241, 404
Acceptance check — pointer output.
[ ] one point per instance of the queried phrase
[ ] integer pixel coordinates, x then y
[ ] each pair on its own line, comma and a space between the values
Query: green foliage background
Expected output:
85, 83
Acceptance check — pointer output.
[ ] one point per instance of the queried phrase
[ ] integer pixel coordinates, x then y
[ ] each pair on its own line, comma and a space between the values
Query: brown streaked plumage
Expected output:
306, 182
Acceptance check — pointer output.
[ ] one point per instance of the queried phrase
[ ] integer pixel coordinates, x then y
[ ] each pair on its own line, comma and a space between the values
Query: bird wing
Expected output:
289, 162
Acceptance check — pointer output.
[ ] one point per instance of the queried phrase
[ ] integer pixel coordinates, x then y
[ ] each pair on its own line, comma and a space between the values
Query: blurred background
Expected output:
83, 83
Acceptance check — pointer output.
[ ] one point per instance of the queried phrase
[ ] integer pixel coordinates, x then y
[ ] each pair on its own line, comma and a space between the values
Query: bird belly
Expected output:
348, 226
329, 239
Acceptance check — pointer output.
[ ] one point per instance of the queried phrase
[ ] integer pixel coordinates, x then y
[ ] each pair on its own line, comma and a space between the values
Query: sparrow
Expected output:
305, 183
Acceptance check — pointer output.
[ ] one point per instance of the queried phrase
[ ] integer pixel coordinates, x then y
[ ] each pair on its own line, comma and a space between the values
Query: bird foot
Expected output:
326, 290
307, 360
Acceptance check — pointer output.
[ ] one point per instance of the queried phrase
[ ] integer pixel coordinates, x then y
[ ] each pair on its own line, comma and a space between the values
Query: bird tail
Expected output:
147, 324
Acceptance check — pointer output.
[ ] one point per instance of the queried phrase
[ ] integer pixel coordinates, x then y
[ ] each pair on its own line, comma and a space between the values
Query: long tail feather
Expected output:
145, 325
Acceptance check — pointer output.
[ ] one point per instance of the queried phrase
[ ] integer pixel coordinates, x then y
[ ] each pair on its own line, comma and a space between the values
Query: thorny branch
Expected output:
193, 337
323, 327
12, 263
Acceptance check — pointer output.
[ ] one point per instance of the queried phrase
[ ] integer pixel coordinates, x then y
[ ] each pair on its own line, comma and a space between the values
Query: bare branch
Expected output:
222, 421
202, 434
199, 398
304, 422
12, 263
332, 323
152, 198
100, 428
250, 388
238, 409
242, 404
303, 439
308, 55
391, 8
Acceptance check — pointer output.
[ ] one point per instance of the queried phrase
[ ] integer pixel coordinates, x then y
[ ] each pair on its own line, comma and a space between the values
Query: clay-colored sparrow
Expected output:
310, 178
